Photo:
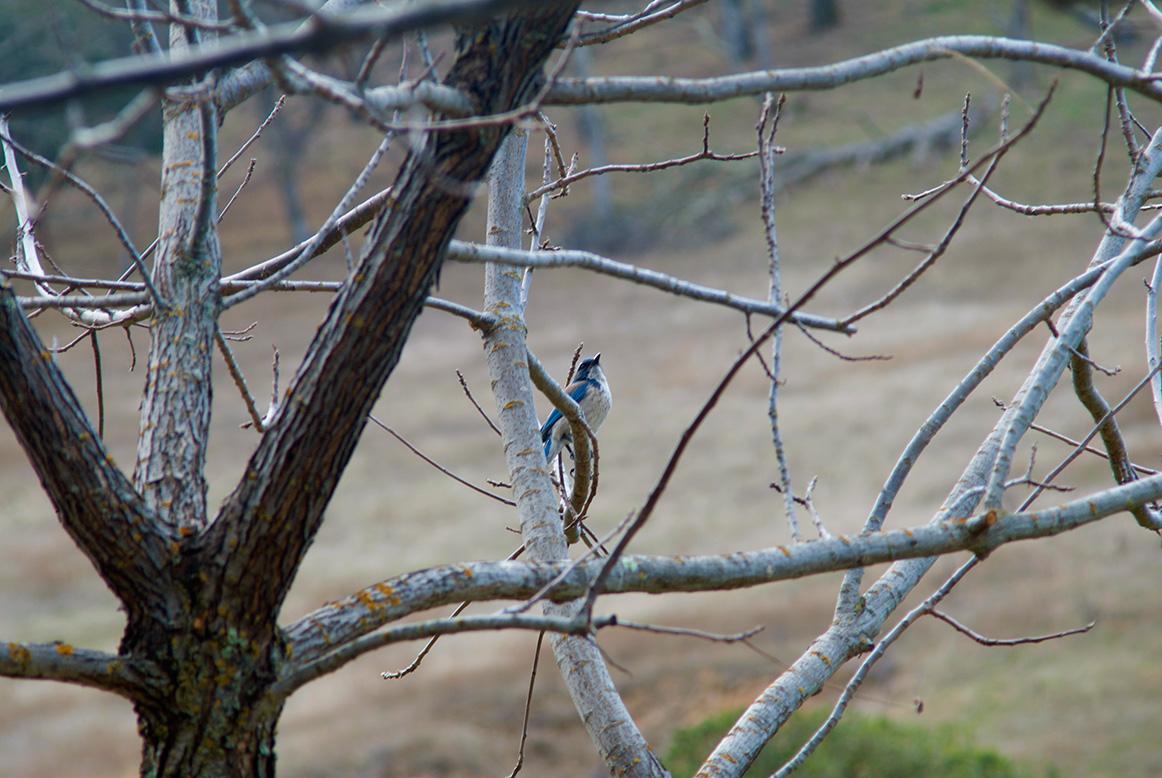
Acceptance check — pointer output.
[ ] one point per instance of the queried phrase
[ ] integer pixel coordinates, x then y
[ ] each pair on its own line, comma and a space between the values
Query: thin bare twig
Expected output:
122, 14
307, 252
524, 728
432, 641
415, 665
437, 465
815, 517
100, 384
257, 134
738, 637
649, 167
468, 394
1011, 641
238, 191
239, 380
836, 352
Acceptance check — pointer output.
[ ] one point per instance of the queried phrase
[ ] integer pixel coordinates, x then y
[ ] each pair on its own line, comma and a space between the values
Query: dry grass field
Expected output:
1086, 705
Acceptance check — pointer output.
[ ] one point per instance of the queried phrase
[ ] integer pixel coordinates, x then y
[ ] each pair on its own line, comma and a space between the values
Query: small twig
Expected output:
437, 465
815, 517
1007, 642
555, 144
768, 125
1081, 354
257, 134
1127, 118
839, 354
99, 383
423, 651
1072, 442
538, 222
348, 223
239, 380
68, 346
738, 637
238, 191
569, 568
75, 283
242, 334
304, 254
1041, 210
964, 131
468, 394
1108, 27
373, 54
272, 408
650, 167
122, 14
524, 729
428, 646
132, 350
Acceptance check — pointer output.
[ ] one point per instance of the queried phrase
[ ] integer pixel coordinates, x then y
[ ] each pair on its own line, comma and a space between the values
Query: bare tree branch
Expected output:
364, 612
125, 676
475, 253
611, 89
108, 520
321, 32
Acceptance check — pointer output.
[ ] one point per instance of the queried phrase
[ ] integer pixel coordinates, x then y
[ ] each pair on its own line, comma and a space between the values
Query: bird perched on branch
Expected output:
590, 390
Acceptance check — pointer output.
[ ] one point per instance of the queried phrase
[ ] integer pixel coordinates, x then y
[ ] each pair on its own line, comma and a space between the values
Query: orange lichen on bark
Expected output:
369, 602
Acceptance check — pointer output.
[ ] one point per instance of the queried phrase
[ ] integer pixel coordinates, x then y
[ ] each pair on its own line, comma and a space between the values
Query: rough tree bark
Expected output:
175, 412
202, 647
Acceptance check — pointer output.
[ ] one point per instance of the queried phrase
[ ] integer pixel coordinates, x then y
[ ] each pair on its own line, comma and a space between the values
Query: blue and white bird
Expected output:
590, 390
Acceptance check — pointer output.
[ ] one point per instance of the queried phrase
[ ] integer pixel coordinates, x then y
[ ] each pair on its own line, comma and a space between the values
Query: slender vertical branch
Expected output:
767, 127
621, 745
175, 409
1153, 359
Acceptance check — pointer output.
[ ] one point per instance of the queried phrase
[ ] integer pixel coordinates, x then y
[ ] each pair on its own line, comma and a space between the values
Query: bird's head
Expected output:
589, 368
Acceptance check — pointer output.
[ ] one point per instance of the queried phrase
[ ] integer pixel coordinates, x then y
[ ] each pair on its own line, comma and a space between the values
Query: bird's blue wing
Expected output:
547, 429
576, 391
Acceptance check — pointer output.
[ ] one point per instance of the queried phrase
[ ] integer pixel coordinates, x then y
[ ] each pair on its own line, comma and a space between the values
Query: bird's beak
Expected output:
597, 359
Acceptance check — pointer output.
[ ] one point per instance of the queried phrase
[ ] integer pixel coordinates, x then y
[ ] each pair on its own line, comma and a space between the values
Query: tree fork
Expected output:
227, 651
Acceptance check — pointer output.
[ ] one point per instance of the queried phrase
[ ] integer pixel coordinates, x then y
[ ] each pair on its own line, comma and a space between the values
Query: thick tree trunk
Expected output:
219, 717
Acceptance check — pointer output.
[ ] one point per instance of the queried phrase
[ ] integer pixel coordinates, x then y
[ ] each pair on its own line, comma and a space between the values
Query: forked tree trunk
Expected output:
203, 656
